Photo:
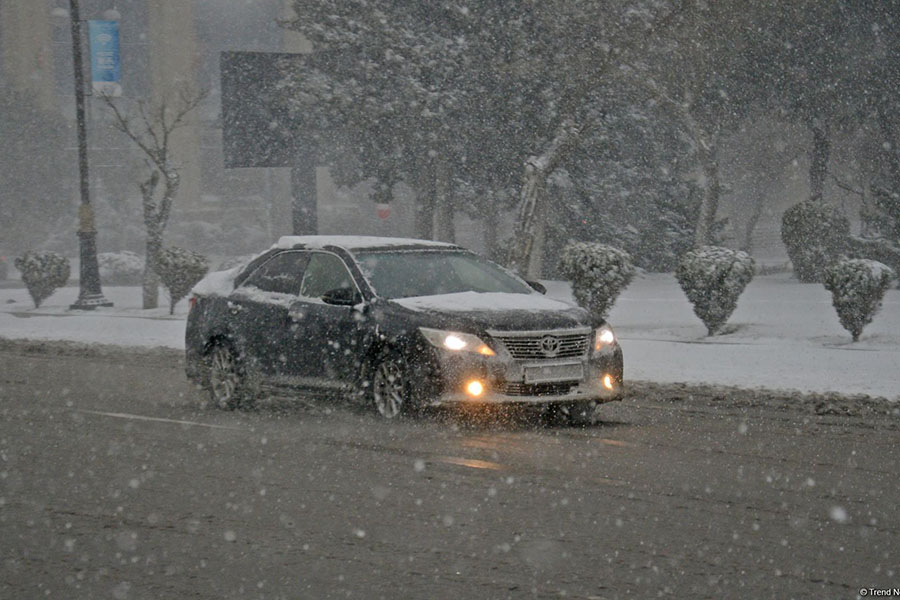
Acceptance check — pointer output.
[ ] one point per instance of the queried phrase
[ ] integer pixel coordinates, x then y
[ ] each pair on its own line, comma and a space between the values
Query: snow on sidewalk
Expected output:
125, 324
783, 335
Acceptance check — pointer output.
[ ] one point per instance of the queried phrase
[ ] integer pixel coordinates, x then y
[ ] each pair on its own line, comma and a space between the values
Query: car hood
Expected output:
499, 310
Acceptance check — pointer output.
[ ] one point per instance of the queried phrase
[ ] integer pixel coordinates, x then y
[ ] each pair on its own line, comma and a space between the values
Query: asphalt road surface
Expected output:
117, 482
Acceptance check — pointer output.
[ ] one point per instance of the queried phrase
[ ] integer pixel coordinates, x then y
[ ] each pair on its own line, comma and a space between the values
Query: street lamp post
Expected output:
89, 294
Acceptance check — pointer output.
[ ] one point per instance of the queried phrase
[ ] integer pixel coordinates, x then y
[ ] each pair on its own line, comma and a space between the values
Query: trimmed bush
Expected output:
713, 279
598, 273
814, 235
120, 268
857, 287
43, 273
179, 270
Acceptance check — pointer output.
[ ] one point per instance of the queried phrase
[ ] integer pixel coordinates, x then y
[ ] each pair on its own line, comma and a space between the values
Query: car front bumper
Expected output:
506, 381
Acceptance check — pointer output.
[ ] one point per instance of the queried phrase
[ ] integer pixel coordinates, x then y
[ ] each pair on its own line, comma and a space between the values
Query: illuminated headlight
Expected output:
456, 341
603, 337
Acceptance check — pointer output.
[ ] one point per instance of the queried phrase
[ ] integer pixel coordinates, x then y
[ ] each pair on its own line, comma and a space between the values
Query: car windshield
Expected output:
402, 274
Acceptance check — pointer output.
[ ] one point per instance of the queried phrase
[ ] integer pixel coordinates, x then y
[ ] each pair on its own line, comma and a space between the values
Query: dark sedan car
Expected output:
401, 323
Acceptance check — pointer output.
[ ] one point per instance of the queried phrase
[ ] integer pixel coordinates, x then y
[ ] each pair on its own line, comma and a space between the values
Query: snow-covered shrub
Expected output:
881, 250
713, 279
120, 268
814, 235
42, 273
857, 287
179, 270
598, 273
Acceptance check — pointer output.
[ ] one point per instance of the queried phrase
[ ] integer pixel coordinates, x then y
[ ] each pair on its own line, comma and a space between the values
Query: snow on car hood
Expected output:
483, 302
217, 283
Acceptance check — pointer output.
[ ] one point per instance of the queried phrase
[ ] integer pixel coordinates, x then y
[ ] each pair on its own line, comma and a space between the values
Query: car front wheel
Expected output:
226, 381
574, 414
390, 385
582, 414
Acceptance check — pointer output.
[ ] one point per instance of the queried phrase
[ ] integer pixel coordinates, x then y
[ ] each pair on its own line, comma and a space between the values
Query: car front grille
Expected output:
545, 346
537, 389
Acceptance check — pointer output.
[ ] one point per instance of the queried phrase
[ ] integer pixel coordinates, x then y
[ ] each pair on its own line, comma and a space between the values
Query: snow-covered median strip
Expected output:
783, 335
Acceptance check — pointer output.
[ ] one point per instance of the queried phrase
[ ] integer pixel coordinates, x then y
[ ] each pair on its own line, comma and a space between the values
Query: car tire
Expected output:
572, 414
581, 414
390, 385
227, 382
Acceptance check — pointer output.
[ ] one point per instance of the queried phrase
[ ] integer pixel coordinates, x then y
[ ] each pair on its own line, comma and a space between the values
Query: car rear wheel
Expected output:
390, 385
226, 380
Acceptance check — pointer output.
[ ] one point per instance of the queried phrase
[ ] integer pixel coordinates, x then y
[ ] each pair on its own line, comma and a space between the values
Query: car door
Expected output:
326, 351
259, 307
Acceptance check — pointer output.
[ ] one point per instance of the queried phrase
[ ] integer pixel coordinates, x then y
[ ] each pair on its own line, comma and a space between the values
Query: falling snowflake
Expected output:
838, 514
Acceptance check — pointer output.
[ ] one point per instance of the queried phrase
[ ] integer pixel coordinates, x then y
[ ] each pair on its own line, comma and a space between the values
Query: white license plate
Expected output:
544, 373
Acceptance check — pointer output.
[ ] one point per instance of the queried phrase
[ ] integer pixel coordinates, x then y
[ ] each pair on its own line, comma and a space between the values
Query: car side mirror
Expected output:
342, 297
537, 286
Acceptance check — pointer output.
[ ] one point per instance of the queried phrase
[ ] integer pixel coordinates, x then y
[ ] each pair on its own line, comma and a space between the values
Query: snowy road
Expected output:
115, 483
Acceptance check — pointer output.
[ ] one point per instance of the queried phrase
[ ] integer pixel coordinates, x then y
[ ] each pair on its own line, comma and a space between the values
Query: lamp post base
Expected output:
89, 294
90, 302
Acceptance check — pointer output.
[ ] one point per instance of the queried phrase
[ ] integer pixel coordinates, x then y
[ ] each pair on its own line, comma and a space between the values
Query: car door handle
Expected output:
234, 308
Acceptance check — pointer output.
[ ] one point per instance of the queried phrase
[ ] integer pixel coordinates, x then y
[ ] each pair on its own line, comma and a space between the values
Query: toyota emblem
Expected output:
550, 345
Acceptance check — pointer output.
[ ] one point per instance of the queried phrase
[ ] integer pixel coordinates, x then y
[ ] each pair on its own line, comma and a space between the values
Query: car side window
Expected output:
325, 272
281, 274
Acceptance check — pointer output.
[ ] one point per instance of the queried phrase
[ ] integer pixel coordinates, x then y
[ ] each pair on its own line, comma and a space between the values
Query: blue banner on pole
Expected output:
105, 68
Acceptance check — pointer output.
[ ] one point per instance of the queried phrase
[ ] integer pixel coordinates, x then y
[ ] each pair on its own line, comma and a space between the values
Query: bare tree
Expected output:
526, 247
151, 129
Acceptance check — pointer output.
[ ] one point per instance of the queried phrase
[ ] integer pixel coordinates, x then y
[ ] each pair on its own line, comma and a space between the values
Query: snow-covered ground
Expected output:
783, 335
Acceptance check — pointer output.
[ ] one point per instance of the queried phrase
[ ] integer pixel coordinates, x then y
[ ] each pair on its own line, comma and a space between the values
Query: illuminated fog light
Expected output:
485, 351
475, 388
608, 382
454, 342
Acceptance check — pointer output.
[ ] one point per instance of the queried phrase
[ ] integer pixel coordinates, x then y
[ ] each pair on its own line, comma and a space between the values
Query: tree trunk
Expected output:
712, 188
424, 218
533, 198
150, 281
536, 260
710, 203
533, 191
444, 230
752, 222
173, 181
155, 220
491, 226
818, 160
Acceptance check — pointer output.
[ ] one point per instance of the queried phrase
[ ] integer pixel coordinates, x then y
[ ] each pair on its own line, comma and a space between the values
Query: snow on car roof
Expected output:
482, 301
355, 242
